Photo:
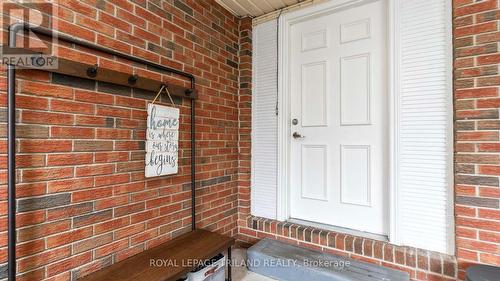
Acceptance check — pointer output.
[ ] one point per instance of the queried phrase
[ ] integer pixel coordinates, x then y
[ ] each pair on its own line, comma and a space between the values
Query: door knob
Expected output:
297, 136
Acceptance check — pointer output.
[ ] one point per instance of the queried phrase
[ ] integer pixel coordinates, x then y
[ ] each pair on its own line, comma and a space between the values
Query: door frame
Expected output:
284, 129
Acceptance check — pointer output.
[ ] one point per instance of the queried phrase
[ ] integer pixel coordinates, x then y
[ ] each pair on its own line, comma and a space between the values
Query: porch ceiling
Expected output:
255, 8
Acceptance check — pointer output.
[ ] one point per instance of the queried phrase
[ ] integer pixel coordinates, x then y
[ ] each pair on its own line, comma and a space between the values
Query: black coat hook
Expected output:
132, 79
92, 71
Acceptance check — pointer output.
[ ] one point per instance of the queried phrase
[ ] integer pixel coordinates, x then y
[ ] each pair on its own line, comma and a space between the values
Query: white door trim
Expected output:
284, 133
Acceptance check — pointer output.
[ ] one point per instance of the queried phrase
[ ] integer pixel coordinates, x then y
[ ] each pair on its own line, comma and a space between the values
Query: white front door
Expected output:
338, 91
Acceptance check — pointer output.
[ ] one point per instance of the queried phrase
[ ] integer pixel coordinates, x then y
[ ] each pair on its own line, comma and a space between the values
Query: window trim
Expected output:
285, 22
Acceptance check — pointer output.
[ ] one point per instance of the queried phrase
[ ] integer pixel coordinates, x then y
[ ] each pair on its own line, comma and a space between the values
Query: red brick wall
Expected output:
477, 125
477, 159
83, 200
245, 117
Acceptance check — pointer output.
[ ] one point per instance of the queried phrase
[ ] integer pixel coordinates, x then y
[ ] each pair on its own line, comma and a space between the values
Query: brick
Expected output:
72, 107
473, 50
489, 214
489, 192
476, 180
34, 146
113, 44
477, 136
112, 179
69, 263
113, 112
378, 250
488, 125
488, 103
478, 158
388, 253
91, 194
475, 29
43, 258
488, 59
31, 102
24, 161
43, 230
478, 223
108, 157
47, 118
94, 170
422, 260
488, 81
93, 145
68, 237
30, 189
489, 147
74, 55
475, 8
47, 90
477, 201
411, 257
92, 218
46, 174
477, 245
69, 185
477, 114
115, 22
70, 211
80, 7
93, 97
489, 236
32, 131
94, 121
111, 225
69, 159
44, 202
488, 16
465, 211
97, 26
111, 248
489, 37
476, 93
72, 133
92, 267
466, 232
435, 264
113, 134
93, 242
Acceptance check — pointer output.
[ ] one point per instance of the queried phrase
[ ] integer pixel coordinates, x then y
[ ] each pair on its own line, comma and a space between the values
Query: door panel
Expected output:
313, 94
314, 181
355, 174
355, 93
338, 96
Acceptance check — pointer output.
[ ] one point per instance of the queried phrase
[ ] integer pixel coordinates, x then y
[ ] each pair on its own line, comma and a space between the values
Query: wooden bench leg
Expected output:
230, 261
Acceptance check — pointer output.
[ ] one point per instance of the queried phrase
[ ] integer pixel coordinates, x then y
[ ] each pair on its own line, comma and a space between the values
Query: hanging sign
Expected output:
162, 141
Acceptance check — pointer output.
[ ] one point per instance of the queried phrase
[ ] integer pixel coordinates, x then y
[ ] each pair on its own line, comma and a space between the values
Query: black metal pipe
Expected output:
11, 127
193, 166
11, 158
11, 178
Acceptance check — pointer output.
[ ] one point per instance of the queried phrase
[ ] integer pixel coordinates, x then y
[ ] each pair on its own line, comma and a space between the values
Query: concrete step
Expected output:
282, 261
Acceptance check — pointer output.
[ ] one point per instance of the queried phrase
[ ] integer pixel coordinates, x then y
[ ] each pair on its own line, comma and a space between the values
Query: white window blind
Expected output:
423, 183
264, 121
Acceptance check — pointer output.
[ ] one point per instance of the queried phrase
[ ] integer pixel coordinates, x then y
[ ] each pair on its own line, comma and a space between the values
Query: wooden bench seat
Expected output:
180, 251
